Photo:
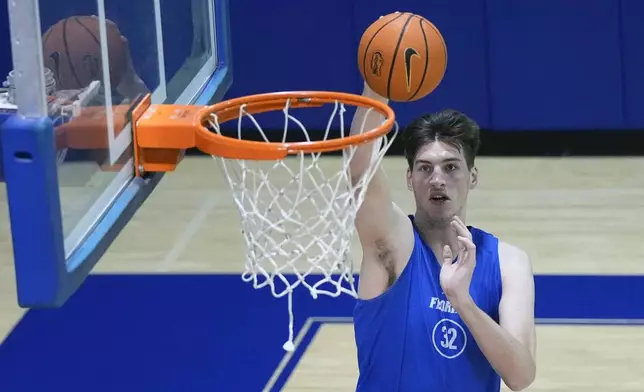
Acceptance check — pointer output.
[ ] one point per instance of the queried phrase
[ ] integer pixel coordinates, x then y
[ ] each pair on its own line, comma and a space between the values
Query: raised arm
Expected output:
384, 230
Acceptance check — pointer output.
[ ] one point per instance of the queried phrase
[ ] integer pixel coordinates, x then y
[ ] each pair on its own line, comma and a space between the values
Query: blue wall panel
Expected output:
531, 65
286, 45
632, 14
555, 64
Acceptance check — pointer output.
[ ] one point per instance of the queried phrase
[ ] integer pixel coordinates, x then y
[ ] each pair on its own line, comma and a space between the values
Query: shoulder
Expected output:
514, 262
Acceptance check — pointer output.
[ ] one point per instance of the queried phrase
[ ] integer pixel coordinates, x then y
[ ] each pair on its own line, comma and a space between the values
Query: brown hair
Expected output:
448, 126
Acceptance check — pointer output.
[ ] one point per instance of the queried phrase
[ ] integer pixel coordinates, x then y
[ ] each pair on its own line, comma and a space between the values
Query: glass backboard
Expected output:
80, 67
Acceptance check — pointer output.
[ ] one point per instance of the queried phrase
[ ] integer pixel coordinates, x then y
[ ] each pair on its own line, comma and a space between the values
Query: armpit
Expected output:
385, 255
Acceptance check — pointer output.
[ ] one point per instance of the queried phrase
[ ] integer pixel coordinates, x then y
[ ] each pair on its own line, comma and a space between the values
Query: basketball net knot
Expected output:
297, 213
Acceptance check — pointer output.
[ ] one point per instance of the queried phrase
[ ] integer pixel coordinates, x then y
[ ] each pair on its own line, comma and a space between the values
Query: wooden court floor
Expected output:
572, 215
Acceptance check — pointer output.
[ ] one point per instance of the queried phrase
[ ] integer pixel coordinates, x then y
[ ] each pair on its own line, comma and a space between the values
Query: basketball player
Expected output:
442, 306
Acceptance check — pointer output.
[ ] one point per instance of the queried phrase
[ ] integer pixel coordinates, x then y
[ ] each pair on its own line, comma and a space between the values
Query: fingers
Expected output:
460, 228
458, 224
467, 243
447, 254
469, 250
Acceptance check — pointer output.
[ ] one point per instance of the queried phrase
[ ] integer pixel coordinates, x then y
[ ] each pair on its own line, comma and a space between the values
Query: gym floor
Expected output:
166, 309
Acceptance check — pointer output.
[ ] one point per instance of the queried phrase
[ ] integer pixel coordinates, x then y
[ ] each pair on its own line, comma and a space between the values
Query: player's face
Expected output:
440, 181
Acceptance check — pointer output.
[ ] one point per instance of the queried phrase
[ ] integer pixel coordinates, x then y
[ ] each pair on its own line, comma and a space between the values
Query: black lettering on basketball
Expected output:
366, 50
376, 63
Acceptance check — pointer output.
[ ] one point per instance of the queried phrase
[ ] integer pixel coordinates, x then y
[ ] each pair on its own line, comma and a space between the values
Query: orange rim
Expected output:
260, 103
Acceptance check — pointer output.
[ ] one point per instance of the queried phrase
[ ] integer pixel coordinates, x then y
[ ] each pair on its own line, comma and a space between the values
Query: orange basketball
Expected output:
402, 56
72, 51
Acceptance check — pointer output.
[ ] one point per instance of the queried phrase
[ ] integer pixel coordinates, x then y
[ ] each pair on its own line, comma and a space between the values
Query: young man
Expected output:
442, 306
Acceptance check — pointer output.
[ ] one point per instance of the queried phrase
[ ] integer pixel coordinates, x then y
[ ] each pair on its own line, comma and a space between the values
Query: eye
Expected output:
424, 168
451, 167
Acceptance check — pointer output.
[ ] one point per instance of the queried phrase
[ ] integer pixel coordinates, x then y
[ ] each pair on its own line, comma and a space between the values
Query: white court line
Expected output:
589, 322
349, 320
98, 208
539, 321
181, 243
287, 357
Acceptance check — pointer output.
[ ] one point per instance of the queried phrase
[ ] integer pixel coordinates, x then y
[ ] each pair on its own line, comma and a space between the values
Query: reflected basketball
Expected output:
402, 56
72, 51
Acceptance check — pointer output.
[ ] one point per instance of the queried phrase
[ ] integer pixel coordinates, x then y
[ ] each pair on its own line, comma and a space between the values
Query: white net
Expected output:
298, 213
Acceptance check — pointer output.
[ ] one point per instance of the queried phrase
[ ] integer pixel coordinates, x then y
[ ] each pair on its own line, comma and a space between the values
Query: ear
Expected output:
474, 177
409, 179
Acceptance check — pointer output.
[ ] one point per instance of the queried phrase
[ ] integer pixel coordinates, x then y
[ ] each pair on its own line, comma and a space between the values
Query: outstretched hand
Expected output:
456, 275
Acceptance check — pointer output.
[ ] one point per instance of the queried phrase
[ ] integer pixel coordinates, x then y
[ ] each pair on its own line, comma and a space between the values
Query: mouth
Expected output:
439, 199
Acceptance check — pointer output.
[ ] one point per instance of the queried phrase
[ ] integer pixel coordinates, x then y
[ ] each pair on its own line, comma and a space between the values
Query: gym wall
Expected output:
519, 68
513, 66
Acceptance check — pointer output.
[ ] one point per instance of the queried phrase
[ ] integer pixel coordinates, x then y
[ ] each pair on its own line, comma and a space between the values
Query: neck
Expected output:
438, 233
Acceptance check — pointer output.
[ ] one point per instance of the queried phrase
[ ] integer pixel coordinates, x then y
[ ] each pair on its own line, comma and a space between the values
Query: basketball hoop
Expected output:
297, 209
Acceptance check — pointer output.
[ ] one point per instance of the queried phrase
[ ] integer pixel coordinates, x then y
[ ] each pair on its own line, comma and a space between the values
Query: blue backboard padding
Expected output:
44, 277
3, 118
34, 208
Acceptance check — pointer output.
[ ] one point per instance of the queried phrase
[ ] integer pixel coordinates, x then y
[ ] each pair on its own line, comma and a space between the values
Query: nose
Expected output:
437, 179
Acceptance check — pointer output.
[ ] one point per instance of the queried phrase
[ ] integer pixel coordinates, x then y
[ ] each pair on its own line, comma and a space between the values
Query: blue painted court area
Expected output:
216, 333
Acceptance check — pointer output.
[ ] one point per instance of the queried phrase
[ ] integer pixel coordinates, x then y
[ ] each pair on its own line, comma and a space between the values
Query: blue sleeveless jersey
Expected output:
410, 339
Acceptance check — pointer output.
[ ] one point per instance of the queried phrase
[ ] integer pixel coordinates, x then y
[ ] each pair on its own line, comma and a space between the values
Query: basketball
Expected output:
72, 51
402, 56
